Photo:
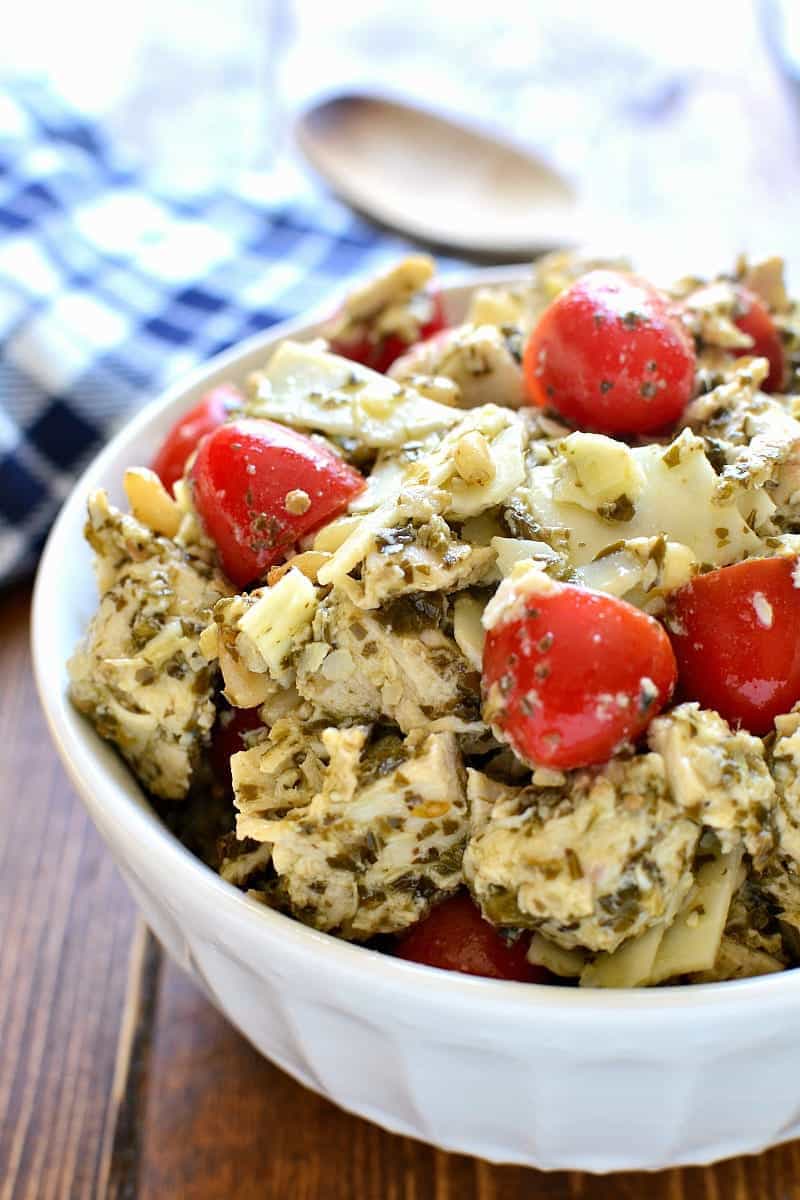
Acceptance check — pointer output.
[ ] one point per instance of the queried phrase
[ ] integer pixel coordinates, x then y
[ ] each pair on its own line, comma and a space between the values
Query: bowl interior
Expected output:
64, 601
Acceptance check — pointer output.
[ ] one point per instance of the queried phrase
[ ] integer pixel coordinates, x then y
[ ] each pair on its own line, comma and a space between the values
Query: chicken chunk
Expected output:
689, 942
139, 674
255, 637
710, 314
786, 770
420, 558
598, 858
718, 777
485, 361
282, 771
242, 862
781, 877
398, 665
392, 304
766, 279
380, 841
754, 442
736, 960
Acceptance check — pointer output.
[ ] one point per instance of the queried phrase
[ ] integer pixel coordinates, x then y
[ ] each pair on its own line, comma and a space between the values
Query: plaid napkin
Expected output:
109, 289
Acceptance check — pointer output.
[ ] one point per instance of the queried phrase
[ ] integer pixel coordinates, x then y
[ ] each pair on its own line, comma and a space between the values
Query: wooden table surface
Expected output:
118, 1079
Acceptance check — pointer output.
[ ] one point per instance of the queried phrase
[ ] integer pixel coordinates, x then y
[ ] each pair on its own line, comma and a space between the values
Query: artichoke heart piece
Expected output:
629, 966
468, 631
692, 941
597, 472
392, 303
309, 388
679, 501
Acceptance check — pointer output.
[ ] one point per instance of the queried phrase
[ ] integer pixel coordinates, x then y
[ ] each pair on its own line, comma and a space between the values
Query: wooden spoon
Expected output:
437, 181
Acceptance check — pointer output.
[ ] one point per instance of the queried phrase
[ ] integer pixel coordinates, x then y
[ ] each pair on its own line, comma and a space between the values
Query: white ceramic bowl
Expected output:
544, 1076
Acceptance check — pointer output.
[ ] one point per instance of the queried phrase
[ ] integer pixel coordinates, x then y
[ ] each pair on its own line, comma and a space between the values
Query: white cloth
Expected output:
672, 120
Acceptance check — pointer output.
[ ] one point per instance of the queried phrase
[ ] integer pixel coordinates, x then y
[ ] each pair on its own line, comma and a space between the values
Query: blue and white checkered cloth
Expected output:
109, 289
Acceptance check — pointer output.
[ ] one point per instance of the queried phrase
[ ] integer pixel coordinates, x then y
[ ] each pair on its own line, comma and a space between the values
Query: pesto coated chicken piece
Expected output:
483, 360
380, 841
781, 878
754, 442
282, 771
397, 664
428, 557
710, 312
392, 304
736, 960
242, 860
280, 768
600, 856
139, 674
718, 777
256, 635
786, 770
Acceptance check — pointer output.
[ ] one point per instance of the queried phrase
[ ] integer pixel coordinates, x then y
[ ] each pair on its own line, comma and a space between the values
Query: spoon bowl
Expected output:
436, 180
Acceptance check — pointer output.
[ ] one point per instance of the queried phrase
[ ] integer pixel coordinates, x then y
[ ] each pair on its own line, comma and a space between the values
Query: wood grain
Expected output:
66, 924
122, 1150
222, 1122
193, 1112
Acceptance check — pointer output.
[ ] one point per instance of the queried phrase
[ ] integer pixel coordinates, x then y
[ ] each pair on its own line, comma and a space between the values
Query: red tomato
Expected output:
380, 353
243, 477
736, 635
187, 431
571, 674
609, 354
455, 937
756, 321
227, 739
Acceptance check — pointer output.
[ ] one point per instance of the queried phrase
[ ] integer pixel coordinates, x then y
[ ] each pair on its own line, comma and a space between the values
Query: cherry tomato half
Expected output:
185, 434
609, 354
572, 673
736, 636
227, 739
756, 321
380, 352
259, 487
455, 937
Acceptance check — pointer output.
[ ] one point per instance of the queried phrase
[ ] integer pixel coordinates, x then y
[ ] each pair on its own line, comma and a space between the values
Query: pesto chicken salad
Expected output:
480, 643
